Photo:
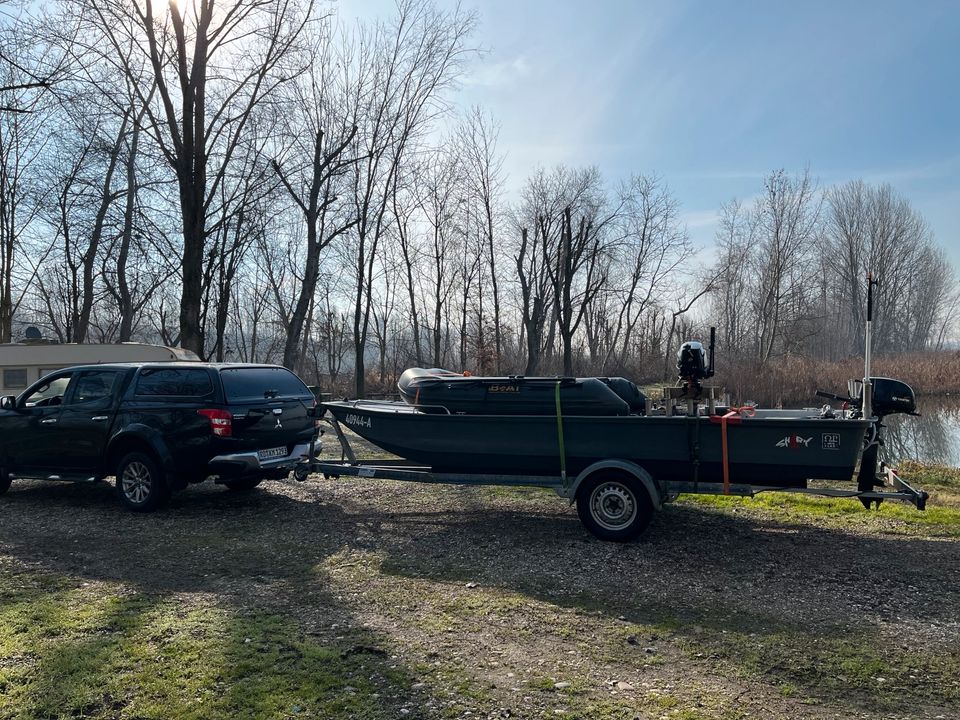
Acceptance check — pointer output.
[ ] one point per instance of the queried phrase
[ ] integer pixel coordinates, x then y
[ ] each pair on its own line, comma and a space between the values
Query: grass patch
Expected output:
941, 520
931, 475
97, 650
831, 664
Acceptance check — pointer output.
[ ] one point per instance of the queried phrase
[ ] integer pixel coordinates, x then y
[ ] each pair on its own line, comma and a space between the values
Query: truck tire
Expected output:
140, 483
614, 506
4, 481
245, 484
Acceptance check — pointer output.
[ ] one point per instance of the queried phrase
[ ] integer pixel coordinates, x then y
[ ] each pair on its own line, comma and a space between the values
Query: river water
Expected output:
934, 437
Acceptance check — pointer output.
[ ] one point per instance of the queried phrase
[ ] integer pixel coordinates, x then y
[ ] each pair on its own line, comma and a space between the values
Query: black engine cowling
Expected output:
691, 361
892, 396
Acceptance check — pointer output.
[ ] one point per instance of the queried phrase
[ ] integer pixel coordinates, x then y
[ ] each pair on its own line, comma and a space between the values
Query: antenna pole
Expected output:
713, 337
868, 342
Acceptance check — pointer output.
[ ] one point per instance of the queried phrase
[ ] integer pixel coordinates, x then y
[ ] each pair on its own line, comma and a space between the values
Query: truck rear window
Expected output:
174, 382
259, 383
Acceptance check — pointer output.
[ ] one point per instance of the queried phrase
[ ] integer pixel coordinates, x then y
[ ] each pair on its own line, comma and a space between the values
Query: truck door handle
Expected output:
100, 418
48, 421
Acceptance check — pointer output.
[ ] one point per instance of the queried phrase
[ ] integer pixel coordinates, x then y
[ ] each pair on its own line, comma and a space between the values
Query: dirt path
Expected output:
496, 603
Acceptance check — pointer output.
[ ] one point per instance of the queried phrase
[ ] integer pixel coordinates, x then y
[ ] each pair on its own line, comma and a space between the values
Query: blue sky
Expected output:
714, 95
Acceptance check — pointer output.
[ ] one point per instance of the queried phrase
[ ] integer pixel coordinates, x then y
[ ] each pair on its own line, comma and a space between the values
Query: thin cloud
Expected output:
499, 74
700, 219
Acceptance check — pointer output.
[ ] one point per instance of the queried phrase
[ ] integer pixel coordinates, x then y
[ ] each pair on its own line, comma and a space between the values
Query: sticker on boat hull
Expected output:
830, 441
358, 420
794, 441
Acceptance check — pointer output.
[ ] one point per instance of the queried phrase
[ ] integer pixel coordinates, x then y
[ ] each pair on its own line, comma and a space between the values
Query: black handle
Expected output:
833, 396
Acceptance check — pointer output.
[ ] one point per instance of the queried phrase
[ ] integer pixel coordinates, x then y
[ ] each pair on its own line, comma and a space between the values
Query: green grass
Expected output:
937, 476
941, 517
941, 520
95, 650
832, 664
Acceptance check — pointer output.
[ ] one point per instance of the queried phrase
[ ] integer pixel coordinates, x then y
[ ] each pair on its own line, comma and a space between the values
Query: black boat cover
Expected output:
440, 391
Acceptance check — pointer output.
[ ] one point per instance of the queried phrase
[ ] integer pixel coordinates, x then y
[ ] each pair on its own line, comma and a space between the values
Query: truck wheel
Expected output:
614, 506
4, 481
243, 484
140, 484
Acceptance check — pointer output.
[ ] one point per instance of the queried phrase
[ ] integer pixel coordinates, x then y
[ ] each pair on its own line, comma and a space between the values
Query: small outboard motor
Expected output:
692, 365
692, 360
890, 397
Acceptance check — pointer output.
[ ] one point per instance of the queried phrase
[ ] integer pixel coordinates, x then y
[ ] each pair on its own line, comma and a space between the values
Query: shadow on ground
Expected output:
785, 602
212, 608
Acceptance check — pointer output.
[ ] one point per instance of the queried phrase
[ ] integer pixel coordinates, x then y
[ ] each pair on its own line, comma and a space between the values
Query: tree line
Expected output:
263, 181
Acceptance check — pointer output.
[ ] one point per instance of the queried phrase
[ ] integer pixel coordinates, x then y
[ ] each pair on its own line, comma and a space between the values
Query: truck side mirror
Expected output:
8, 402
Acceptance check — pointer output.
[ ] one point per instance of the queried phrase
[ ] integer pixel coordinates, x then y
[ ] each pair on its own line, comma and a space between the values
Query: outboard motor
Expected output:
889, 397
692, 366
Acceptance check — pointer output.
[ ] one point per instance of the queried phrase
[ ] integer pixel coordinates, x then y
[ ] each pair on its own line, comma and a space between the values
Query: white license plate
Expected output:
277, 452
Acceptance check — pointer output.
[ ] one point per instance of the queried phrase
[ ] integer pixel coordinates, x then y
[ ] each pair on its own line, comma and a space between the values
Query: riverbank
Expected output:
362, 598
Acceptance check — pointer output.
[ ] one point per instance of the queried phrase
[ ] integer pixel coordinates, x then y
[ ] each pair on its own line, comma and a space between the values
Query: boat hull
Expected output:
777, 449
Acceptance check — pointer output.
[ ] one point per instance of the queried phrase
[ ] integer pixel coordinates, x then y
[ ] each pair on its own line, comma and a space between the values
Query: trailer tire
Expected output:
614, 506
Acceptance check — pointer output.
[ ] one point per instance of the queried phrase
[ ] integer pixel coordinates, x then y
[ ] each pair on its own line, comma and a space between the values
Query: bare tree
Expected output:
211, 68
560, 270
735, 241
653, 253
875, 229
483, 170
403, 205
788, 216
318, 135
403, 69
22, 145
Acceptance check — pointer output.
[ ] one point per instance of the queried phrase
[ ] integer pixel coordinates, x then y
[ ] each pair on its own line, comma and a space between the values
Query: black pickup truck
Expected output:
157, 427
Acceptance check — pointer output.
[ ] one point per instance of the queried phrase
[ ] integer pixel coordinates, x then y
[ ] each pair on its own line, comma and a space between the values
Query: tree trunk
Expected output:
89, 258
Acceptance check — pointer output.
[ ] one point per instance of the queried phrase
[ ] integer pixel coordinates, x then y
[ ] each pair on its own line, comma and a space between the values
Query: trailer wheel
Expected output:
614, 506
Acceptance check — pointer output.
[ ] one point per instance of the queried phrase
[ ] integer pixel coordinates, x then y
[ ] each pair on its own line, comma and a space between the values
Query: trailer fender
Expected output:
656, 497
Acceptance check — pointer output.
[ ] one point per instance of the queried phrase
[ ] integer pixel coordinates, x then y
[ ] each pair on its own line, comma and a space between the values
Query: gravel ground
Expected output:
497, 603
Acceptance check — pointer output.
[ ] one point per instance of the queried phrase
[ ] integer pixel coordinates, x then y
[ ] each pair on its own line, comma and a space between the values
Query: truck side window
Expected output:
174, 382
48, 393
94, 385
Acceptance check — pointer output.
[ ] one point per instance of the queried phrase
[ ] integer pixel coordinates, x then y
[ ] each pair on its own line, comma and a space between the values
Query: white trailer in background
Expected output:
22, 364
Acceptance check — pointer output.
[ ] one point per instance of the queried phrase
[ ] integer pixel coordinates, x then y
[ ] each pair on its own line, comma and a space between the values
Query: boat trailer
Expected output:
659, 491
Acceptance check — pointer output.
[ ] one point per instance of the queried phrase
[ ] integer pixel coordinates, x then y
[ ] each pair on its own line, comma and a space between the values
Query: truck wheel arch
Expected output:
138, 439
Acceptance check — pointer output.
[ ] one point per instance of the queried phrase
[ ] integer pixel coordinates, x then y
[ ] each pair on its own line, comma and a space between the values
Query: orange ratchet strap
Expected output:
734, 417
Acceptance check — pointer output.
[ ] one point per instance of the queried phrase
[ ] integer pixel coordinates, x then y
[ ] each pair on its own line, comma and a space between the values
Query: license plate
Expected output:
277, 452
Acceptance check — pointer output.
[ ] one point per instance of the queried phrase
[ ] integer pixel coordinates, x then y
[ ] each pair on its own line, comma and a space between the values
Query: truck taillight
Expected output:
221, 421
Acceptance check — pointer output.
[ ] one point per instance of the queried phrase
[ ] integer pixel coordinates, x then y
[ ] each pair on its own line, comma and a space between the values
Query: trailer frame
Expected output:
659, 492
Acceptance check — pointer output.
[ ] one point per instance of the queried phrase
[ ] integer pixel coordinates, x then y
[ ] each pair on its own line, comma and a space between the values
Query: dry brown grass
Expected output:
791, 379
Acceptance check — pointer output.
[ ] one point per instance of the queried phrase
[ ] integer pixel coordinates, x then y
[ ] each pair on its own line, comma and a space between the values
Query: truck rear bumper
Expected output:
249, 463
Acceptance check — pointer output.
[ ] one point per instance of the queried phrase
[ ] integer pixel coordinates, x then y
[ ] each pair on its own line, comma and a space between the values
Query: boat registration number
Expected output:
272, 453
